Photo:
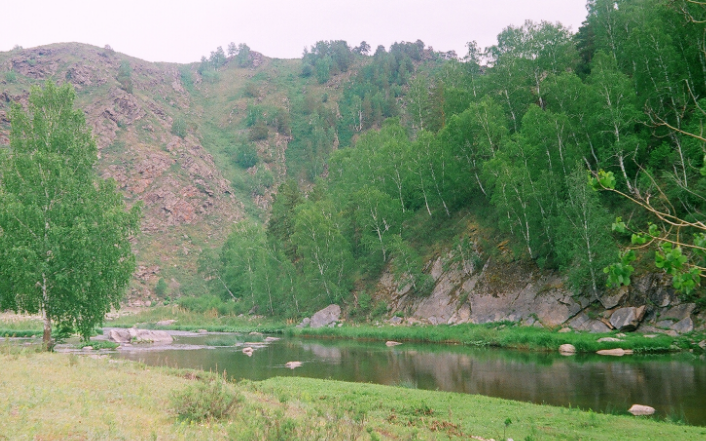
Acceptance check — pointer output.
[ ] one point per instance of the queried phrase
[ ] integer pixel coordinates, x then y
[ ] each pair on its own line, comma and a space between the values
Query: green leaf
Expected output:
619, 226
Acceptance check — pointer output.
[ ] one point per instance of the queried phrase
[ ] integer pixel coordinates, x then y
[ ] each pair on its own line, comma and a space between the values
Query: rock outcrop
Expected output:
327, 316
134, 335
627, 319
499, 291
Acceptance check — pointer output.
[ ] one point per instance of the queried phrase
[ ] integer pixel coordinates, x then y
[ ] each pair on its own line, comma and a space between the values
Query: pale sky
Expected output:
184, 30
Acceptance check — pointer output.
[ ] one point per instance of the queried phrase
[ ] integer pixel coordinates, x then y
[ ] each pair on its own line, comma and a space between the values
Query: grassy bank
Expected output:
86, 398
502, 335
192, 321
12, 325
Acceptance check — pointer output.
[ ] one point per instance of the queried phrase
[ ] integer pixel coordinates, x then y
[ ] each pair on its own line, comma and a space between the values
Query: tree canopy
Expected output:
64, 232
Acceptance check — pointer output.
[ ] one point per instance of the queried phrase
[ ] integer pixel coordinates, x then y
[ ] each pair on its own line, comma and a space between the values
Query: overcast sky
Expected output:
184, 30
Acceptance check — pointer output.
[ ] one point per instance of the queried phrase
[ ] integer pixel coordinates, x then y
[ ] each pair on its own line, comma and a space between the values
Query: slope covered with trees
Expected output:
510, 134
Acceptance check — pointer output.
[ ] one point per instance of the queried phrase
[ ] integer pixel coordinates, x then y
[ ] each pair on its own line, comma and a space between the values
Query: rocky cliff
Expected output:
188, 204
520, 292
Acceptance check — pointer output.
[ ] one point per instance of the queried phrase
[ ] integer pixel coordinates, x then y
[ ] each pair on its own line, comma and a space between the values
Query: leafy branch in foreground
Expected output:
680, 243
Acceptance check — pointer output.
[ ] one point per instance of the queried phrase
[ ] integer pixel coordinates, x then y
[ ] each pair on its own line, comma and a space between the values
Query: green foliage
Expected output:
10, 76
161, 288
124, 76
64, 248
179, 127
243, 57
246, 155
208, 303
619, 273
204, 401
186, 77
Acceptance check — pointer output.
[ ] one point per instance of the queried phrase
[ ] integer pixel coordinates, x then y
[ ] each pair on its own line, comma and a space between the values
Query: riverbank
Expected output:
100, 398
507, 335
501, 335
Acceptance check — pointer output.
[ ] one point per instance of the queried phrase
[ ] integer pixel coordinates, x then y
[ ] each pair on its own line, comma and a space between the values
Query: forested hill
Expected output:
355, 162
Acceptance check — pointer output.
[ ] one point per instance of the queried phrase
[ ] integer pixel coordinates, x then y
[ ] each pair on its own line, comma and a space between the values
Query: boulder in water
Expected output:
134, 335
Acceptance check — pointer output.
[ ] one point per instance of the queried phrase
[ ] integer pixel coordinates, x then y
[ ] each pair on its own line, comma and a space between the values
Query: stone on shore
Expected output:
328, 315
617, 352
627, 319
392, 343
134, 335
640, 410
567, 349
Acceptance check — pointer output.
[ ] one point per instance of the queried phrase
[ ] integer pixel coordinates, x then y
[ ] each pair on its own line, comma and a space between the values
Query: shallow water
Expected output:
675, 385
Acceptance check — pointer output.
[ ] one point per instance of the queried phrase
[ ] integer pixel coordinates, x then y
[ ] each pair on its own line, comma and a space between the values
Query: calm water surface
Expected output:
673, 384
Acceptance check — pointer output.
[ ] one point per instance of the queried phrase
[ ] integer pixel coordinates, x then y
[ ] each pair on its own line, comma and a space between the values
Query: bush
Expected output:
258, 132
10, 76
124, 76
161, 288
204, 401
203, 304
179, 127
246, 156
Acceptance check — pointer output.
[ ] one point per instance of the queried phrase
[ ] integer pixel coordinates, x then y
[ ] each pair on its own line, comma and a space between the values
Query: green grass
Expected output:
501, 335
194, 321
12, 325
86, 398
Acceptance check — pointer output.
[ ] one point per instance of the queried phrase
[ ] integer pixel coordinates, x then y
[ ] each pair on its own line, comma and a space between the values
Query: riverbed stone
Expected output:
140, 336
683, 326
618, 352
641, 410
392, 343
608, 340
567, 349
627, 319
326, 316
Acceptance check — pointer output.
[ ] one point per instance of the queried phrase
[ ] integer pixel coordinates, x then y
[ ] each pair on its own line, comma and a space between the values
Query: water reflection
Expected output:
674, 385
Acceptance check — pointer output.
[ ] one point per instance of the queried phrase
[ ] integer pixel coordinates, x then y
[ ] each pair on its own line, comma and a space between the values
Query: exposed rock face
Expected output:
683, 326
133, 335
521, 293
176, 179
627, 319
327, 316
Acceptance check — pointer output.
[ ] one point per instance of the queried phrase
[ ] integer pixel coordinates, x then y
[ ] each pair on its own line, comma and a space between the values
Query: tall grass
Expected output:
500, 335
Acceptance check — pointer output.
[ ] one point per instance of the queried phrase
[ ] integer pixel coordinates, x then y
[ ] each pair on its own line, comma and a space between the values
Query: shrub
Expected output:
10, 76
204, 401
179, 127
187, 78
246, 155
124, 76
206, 303
258, 132
161, 288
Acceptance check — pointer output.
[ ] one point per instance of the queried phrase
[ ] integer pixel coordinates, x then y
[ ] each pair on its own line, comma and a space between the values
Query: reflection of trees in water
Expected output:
589, 382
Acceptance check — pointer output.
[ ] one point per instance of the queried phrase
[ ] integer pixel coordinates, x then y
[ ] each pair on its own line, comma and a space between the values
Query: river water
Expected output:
675, 385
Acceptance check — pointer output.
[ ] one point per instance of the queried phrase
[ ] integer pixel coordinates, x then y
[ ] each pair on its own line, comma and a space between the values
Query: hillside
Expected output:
186, 184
